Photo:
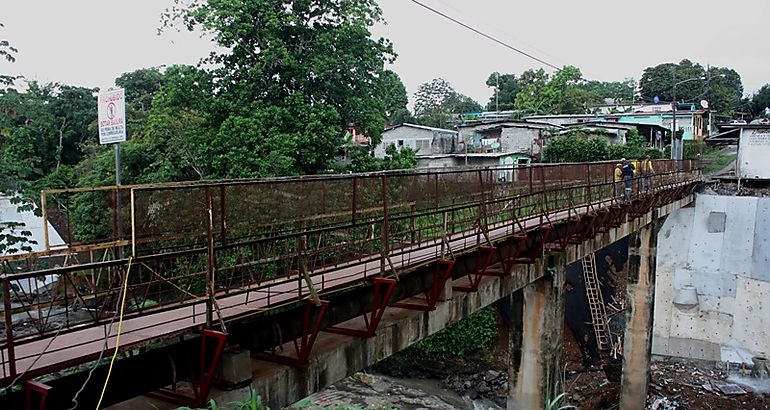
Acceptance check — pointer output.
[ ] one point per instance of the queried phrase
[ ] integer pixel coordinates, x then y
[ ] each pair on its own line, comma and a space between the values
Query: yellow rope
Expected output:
117, 338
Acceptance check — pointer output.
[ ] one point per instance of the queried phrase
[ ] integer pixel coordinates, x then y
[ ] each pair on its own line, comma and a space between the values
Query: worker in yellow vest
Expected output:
647, 170
618, 181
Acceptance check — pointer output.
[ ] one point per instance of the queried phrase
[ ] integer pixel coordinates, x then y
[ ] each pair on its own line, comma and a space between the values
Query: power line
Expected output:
481, 33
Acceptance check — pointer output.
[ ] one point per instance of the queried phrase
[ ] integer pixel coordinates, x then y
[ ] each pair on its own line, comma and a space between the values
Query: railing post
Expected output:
355, 199
588, 173
222, 215
210, 261
7, 313
133, 223
385, 244
44, 209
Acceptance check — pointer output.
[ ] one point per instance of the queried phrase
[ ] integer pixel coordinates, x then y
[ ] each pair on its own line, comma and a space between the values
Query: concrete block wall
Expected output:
721, 248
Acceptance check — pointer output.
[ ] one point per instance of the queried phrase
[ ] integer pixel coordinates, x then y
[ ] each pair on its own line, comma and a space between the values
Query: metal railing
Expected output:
204, 253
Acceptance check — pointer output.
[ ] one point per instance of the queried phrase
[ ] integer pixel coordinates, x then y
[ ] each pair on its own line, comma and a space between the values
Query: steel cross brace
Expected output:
529, 252
563, 239
483, 259
589, 231
442, 272
310, 329
40, 389
379, 304
202, 386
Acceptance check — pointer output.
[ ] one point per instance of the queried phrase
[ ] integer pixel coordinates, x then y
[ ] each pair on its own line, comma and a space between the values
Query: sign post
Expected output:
112, 130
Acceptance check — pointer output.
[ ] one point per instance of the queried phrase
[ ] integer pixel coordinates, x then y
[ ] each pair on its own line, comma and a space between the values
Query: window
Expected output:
400, 143
423, 146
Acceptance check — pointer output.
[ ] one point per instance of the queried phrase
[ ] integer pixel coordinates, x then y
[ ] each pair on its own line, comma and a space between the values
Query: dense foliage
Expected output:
563, 92
760, 102
468, 336
724, 94
436, 101
582, 147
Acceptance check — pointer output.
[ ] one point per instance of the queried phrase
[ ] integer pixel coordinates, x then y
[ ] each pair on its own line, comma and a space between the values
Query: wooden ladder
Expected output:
596, 303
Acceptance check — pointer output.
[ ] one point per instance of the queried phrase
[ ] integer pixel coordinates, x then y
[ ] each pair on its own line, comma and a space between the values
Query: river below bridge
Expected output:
376, 391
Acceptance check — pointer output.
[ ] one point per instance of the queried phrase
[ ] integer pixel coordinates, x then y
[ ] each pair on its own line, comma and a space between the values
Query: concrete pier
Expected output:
536, 343
637, 346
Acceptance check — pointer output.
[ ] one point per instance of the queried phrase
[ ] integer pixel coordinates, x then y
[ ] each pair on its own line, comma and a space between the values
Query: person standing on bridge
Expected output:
647, 171
627, 169
618, 181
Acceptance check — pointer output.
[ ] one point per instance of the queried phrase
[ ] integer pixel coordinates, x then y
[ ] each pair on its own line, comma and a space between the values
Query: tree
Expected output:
7, 52
726, 86
296, 73
621, 92
506, 87
560, 93
394, 96
760, 102
437, 100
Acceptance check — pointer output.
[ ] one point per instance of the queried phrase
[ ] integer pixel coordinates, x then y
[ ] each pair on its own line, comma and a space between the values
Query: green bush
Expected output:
576, 147
470, 335
581, 147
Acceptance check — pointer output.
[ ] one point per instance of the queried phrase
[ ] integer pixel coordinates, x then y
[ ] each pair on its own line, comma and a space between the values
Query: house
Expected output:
511, 137
688, 118
614, 132
356, 136
562, 119
424, 140
487, 159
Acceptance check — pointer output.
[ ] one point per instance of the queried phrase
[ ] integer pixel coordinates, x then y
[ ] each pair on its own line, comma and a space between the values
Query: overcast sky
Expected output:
90, 42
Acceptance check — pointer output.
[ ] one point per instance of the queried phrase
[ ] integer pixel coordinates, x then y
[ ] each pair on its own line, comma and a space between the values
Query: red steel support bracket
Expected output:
588, 225
529, 253
307, 340
379, 304
441, 273
563, 239
202, 386
483, 259
514, 250
41, 389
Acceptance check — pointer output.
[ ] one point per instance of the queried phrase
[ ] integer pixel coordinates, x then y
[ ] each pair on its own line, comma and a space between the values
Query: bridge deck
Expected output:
79, 343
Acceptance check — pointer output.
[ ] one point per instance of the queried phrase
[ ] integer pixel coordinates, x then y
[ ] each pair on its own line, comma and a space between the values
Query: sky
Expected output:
90, 42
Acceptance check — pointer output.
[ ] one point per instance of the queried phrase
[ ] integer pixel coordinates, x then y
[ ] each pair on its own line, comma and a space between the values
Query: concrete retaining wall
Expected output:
721, 248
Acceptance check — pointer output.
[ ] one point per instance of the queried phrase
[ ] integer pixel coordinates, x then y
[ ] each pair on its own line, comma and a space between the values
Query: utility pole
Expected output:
674, 139
708, 85
497, 93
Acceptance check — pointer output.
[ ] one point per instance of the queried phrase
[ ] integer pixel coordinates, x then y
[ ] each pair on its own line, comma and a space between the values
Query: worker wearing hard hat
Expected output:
647, 171
618, 181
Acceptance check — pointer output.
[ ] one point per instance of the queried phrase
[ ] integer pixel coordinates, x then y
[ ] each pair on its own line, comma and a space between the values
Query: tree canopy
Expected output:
760, 102
726, 86
560, 93
437, 100
506, 88
292, 76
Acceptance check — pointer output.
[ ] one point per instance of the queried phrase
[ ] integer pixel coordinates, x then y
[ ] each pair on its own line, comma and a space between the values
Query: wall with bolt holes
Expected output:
722, 248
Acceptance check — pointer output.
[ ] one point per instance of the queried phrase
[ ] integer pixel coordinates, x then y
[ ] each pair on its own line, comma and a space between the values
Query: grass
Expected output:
717, 160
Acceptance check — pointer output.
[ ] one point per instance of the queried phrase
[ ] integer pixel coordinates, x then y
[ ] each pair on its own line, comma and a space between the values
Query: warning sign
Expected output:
112, 116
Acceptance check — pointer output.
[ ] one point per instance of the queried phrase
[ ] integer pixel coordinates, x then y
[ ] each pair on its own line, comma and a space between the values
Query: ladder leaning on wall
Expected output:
596, 304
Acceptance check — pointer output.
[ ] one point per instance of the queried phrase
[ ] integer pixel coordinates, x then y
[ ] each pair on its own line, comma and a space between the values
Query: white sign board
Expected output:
112, 116
753, 152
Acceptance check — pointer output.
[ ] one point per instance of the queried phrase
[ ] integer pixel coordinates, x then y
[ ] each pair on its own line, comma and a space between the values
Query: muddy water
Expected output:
377, 391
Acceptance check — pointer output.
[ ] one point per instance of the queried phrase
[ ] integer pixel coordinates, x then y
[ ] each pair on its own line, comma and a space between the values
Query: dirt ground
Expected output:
675, 385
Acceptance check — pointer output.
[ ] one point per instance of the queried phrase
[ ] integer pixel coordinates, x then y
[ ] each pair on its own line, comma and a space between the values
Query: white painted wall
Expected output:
731, 272
753, 152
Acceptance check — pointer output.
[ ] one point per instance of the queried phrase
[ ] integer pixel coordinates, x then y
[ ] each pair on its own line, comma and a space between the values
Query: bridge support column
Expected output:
637, 340
537, 313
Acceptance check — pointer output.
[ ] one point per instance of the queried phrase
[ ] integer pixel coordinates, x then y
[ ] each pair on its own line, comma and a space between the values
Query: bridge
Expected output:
159, 271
